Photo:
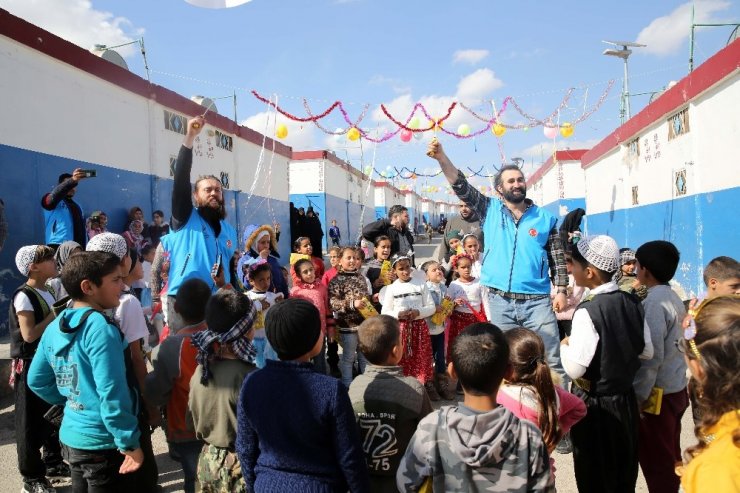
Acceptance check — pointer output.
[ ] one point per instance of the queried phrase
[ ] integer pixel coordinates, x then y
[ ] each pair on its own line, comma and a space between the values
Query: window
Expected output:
635, 198
224, 141
174, 122
173, 160
633, 147
225, 179
678, 124
680, 182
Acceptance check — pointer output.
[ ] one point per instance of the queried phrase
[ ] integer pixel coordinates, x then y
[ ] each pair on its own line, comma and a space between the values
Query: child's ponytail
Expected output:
529, 367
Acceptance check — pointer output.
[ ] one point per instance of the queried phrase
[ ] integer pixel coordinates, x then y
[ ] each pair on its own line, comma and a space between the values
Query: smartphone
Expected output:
90, 173
217, 267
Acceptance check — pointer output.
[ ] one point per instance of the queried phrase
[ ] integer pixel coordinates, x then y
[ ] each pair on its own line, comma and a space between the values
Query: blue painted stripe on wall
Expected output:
569, 204
702, 227
27, 175
381, 212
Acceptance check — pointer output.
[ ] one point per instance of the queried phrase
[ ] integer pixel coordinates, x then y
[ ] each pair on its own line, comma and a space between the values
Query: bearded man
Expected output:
201, 238
467, 222
523, 253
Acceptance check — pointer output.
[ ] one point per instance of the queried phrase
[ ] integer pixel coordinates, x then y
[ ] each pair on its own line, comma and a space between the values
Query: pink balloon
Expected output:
405, 135
550, 132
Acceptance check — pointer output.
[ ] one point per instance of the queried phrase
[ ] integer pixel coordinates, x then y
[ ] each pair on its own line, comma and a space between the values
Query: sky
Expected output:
365, 53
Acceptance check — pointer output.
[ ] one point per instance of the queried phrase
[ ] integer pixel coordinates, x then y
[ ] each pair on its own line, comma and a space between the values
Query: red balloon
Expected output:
406, 135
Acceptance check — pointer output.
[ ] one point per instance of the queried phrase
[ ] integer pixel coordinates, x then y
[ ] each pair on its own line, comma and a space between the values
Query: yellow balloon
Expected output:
282, 131
498, 130
566, 130
353, 134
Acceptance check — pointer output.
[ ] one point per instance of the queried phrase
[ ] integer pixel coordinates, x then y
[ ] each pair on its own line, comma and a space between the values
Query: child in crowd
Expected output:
260, 274
472, 248
711, 346
328, 456
660, 433
435, 284
467, 294
348, 291
168, 384
573, 296
30, 315
81, 365
476, 445
334, 233
627, 277
260, 242
145, 293
97, 223
302, 246
225, 357
374, 267
331, 272
454, 239
602, 355
134, 237
158, 228
409, 301
530, 393
388, 405
722, 277
64, 251
310, 288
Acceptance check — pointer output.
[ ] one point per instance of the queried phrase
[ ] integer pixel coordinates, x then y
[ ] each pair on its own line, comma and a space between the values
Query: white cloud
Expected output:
301, 136
478, 85
397, 85
469, 56
77, 21
666, 35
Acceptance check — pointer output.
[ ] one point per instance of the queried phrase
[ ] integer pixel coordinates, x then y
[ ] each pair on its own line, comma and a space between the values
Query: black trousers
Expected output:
147, 476
605, 443
32, 431
96, 471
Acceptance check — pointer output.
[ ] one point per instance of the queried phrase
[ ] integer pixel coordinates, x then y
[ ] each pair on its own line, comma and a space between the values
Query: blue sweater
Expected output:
82, 367
297, 432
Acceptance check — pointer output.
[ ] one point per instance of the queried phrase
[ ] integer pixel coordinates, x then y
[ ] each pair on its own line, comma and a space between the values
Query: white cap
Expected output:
24, 258
109, 243
601, 251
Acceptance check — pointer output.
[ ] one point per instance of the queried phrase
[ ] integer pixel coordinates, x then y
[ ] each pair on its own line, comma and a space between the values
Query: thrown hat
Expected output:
454, 233
109, 243
626, 255
292, 326
601, 251
24, 258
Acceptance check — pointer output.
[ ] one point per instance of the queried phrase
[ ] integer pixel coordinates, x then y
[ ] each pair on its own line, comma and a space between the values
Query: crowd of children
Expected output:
245, 386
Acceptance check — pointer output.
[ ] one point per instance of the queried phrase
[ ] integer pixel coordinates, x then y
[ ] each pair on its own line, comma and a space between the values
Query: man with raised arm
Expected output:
523, 251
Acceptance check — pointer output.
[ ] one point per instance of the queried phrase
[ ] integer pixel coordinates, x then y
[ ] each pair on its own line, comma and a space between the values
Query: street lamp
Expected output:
623, 53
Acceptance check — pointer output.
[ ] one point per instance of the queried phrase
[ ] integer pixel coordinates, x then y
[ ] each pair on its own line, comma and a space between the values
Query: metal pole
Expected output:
235, 120
691, 42
626, 93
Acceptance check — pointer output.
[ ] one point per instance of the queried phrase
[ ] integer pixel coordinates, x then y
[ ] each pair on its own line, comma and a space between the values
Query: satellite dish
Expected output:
111, 56
217, 4
206, 103
624, 43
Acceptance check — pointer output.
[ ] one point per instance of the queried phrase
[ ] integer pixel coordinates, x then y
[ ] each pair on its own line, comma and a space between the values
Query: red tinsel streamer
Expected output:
294, 117
426, 114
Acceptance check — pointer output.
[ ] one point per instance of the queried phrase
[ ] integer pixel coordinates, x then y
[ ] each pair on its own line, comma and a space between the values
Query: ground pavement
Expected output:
170, 473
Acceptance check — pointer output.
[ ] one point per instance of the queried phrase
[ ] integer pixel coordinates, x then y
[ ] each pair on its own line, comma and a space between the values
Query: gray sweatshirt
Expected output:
465, 450
664, 313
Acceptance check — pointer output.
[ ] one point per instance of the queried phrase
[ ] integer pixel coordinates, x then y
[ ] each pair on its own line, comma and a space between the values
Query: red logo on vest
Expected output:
228, 243
532, 232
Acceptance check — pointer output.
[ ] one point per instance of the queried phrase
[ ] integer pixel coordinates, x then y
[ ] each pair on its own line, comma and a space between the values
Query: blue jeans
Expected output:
536, 315
438, 353
188, 452
350, 354
264, 351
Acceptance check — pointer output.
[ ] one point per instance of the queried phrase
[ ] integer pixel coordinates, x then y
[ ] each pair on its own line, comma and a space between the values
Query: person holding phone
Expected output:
63, 216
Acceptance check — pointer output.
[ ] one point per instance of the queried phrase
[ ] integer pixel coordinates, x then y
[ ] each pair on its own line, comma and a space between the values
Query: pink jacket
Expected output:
573, 298
317, 294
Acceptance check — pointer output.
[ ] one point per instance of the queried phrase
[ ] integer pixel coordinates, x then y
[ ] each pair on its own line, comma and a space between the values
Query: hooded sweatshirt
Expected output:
81, 366
465, 450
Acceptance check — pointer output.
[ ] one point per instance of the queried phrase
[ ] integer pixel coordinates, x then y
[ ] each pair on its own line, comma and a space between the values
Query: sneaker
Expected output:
443, 387
60, 470
431, 391
565, 446
37, 487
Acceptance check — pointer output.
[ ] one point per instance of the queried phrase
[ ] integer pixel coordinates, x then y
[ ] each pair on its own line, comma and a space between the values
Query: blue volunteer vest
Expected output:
515, 258
194, 248
59, 227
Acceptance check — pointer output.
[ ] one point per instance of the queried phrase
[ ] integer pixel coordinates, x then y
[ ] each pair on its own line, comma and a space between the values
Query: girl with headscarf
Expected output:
134, 237
97, 223
260, 242
65, 250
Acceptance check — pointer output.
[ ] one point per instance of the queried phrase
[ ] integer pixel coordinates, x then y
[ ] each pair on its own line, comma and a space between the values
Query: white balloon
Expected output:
418, 135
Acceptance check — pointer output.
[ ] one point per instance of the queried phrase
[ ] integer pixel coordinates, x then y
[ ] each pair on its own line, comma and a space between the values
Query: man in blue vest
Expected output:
202, 243
62, 215
523, 251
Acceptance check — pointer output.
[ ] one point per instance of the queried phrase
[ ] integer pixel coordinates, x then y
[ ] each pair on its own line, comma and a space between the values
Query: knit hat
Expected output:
600, 251
292, 326
109, 243
24, 258
453, 233
626, 255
